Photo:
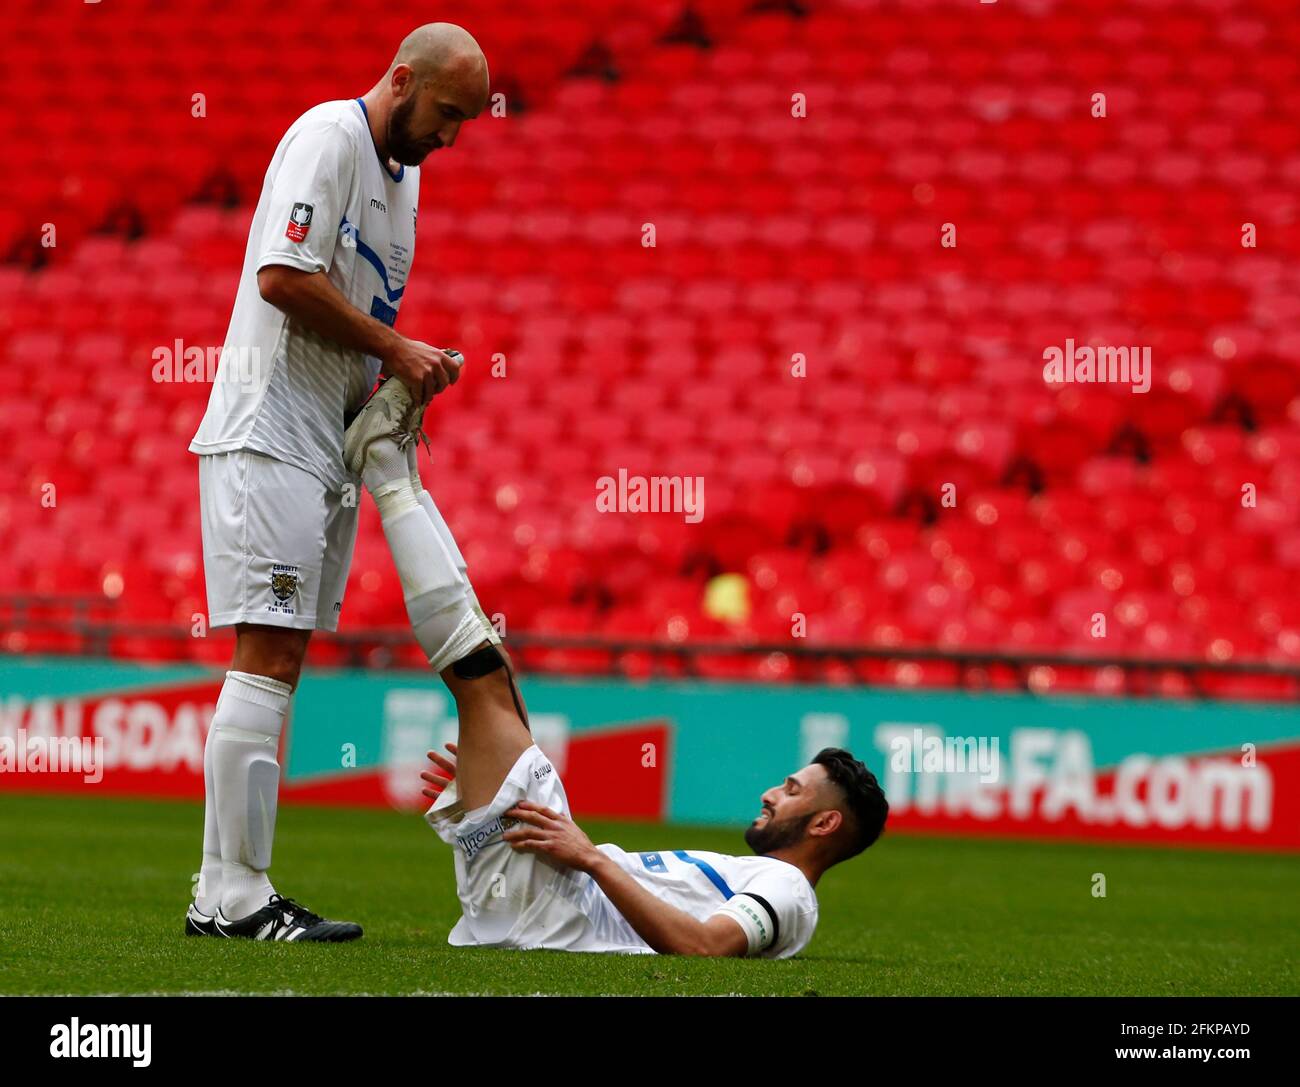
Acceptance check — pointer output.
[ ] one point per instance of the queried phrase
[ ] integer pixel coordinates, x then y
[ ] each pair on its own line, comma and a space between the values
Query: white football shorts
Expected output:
277, 544
509, 899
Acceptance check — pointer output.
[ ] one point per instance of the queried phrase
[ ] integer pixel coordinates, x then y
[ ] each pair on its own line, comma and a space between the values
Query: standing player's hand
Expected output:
551, 834
422, 368
438, 782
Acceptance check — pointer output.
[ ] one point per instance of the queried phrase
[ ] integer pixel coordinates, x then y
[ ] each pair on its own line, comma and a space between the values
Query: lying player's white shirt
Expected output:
522, 900
772, 901
328, 204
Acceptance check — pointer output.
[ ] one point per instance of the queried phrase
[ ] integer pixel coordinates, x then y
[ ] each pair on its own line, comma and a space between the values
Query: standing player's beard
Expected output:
773, 835
401, 147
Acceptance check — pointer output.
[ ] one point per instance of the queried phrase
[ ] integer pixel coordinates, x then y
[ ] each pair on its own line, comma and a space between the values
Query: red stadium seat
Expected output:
796, 336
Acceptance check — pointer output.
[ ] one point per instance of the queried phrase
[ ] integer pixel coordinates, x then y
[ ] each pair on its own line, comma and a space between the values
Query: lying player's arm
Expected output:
314, 302
665, 928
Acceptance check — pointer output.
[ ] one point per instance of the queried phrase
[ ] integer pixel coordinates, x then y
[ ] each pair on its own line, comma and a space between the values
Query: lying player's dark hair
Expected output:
863, 796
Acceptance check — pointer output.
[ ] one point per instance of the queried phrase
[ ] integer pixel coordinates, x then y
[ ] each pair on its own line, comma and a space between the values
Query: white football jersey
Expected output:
328, 204
771, 900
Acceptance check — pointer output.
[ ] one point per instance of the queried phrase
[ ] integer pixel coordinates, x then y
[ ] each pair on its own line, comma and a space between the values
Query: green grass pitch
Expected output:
93, 893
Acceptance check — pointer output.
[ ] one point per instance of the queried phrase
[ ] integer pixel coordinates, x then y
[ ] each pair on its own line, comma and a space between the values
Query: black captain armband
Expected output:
480, 663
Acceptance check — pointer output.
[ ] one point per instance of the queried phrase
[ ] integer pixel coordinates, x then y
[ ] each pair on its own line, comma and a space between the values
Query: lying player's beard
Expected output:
401, 147
773, 835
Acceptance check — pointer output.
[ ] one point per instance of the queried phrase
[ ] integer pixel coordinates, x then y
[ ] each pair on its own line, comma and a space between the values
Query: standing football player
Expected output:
328, 258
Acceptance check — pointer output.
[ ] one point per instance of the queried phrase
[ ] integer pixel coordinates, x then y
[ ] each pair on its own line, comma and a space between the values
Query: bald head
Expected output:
437, 81
434, 48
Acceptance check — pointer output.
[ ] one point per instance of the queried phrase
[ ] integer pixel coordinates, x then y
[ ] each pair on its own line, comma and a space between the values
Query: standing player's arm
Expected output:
314, 302
664, 927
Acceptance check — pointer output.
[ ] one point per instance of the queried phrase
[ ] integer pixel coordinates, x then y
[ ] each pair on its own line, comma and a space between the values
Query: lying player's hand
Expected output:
544, 831
438, 782
422, 368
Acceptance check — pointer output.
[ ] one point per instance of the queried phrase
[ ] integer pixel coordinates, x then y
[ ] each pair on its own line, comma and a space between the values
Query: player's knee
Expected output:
277, 654
286, 666
477, 694
484, 679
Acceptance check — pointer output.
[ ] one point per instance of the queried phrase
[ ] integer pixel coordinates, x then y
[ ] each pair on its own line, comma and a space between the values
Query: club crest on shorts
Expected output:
299, 222
284, 582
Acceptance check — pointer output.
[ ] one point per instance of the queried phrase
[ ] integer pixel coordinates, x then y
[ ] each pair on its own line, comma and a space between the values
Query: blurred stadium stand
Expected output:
775, 236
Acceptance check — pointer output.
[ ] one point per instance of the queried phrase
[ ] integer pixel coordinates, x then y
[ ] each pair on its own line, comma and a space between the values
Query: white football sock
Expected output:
449, 541
246, 780
437, 594
207, 896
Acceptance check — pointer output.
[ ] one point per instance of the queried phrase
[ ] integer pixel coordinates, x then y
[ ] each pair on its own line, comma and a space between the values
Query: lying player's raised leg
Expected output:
491, 734
425, 499
498, 765
445, 615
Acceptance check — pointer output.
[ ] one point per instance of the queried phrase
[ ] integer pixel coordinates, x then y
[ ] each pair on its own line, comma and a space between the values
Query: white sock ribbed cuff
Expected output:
489, 631
271, 694
469, 632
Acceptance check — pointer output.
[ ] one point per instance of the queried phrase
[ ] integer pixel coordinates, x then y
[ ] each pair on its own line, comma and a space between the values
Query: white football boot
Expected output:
390, 413
387, 414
